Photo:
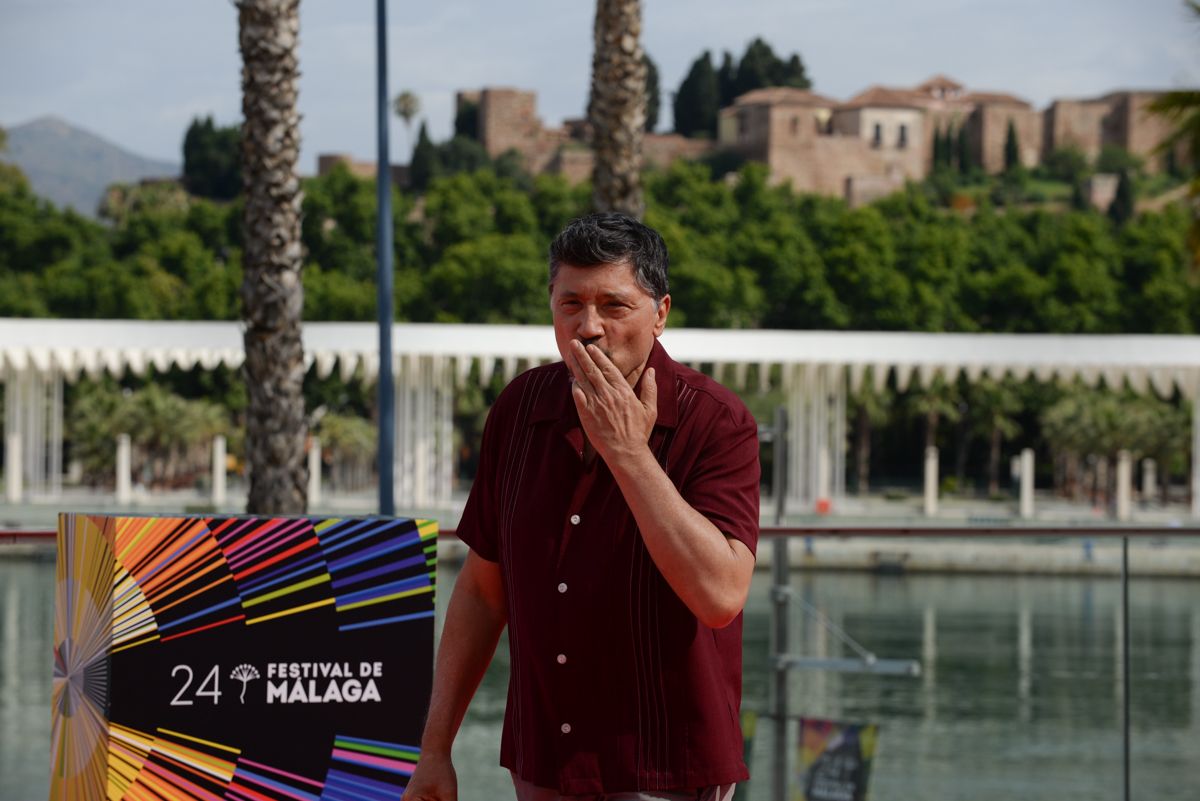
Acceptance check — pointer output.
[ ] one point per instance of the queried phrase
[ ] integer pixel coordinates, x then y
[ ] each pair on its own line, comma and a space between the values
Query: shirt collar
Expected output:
557, 404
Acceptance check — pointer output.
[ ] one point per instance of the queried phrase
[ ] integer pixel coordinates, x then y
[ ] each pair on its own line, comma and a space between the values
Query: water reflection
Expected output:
1019, 695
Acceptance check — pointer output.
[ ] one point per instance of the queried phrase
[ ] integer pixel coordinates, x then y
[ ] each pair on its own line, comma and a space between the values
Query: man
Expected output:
612, 527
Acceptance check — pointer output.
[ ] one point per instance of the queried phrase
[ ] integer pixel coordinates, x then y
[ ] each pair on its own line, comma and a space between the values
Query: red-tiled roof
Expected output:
783, 96
939, 81
887, 97
995, 98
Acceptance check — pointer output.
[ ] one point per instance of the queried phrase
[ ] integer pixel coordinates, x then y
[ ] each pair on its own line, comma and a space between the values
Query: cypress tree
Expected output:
759, 67
964, 151
695, 103
726, 78
653, 94
423, 167
1012, 151
794, 74
1121, 210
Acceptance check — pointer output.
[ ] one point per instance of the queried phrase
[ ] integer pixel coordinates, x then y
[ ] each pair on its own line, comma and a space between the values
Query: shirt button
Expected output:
562, 659
562, 587
565, 728
574, 520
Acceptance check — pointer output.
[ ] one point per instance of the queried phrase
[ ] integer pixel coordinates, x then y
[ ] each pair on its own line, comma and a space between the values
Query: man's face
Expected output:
605, 306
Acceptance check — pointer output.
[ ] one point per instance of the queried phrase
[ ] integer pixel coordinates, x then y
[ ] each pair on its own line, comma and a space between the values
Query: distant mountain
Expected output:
73, 167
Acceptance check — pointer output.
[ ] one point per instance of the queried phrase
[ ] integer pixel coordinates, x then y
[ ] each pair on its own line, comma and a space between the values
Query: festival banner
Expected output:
240, 657
835, 759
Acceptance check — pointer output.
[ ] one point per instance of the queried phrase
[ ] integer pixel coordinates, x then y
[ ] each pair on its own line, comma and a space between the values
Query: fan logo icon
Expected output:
245, 674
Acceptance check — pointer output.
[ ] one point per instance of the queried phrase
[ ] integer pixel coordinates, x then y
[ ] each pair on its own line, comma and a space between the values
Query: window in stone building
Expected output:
902, 140
742, 124
877, 139
795, 126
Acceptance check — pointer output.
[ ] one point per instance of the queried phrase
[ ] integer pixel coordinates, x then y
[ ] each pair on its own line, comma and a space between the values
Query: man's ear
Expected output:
660, 315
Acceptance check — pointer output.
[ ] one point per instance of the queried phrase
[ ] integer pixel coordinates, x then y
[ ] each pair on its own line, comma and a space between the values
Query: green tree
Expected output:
460, 154
466, 119
494, 278
1122, 208
962, 157
934, 403
1069, 164
1116, 160
1012, 150
211, 160
994, 405
726, 80
653, 95
695, 104
423, 167
760, 67
871, 408
941, 158
406, 105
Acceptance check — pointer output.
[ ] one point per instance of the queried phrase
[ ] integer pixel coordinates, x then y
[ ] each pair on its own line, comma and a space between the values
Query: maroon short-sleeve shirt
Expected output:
615, 685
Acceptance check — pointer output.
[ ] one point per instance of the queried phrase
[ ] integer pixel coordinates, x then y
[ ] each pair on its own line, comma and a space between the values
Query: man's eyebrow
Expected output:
618, 295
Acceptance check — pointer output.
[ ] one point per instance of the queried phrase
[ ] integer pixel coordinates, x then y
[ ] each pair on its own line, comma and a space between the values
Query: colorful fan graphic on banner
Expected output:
241, 657
835, 759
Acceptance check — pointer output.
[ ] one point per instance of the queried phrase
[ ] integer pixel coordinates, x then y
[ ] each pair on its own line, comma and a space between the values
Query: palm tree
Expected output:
995, 404
406, 105
872, 408
937, 401
272, 295
617, 107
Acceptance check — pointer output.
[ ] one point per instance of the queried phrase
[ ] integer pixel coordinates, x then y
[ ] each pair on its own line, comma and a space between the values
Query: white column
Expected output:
797, 384
446, 430
55, 439
314, 472
1149, 481
218, 470
12, 467
1124, 485
1026, 483
839, 434
931, 481
124, 466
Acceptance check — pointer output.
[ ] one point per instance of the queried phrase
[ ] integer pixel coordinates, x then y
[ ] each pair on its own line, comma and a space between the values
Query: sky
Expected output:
138, 71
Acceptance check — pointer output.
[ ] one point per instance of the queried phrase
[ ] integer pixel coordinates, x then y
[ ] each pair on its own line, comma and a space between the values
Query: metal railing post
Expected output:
1125, 679
779, 608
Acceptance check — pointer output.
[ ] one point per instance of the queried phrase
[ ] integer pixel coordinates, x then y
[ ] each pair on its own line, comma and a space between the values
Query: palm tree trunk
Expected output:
994, 463
862, 451
272, 294
617, 107
931, 427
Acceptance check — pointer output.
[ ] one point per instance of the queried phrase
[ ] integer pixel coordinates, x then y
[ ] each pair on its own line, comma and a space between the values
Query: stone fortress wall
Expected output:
859, 149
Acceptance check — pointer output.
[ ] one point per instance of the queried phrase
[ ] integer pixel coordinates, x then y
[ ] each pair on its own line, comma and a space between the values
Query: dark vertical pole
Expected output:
383, 247
779, 592
1125, 658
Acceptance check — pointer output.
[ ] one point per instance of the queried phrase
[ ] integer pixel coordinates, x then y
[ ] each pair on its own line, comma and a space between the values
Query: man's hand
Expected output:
617, 422
433, 780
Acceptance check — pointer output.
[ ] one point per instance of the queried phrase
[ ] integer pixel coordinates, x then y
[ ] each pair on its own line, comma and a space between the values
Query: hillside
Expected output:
71, 166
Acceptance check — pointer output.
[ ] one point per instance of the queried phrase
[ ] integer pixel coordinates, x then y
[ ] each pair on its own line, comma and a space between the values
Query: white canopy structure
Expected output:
815, 368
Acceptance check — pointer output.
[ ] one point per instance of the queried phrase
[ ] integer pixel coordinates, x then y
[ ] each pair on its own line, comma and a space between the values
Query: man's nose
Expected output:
590, 326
